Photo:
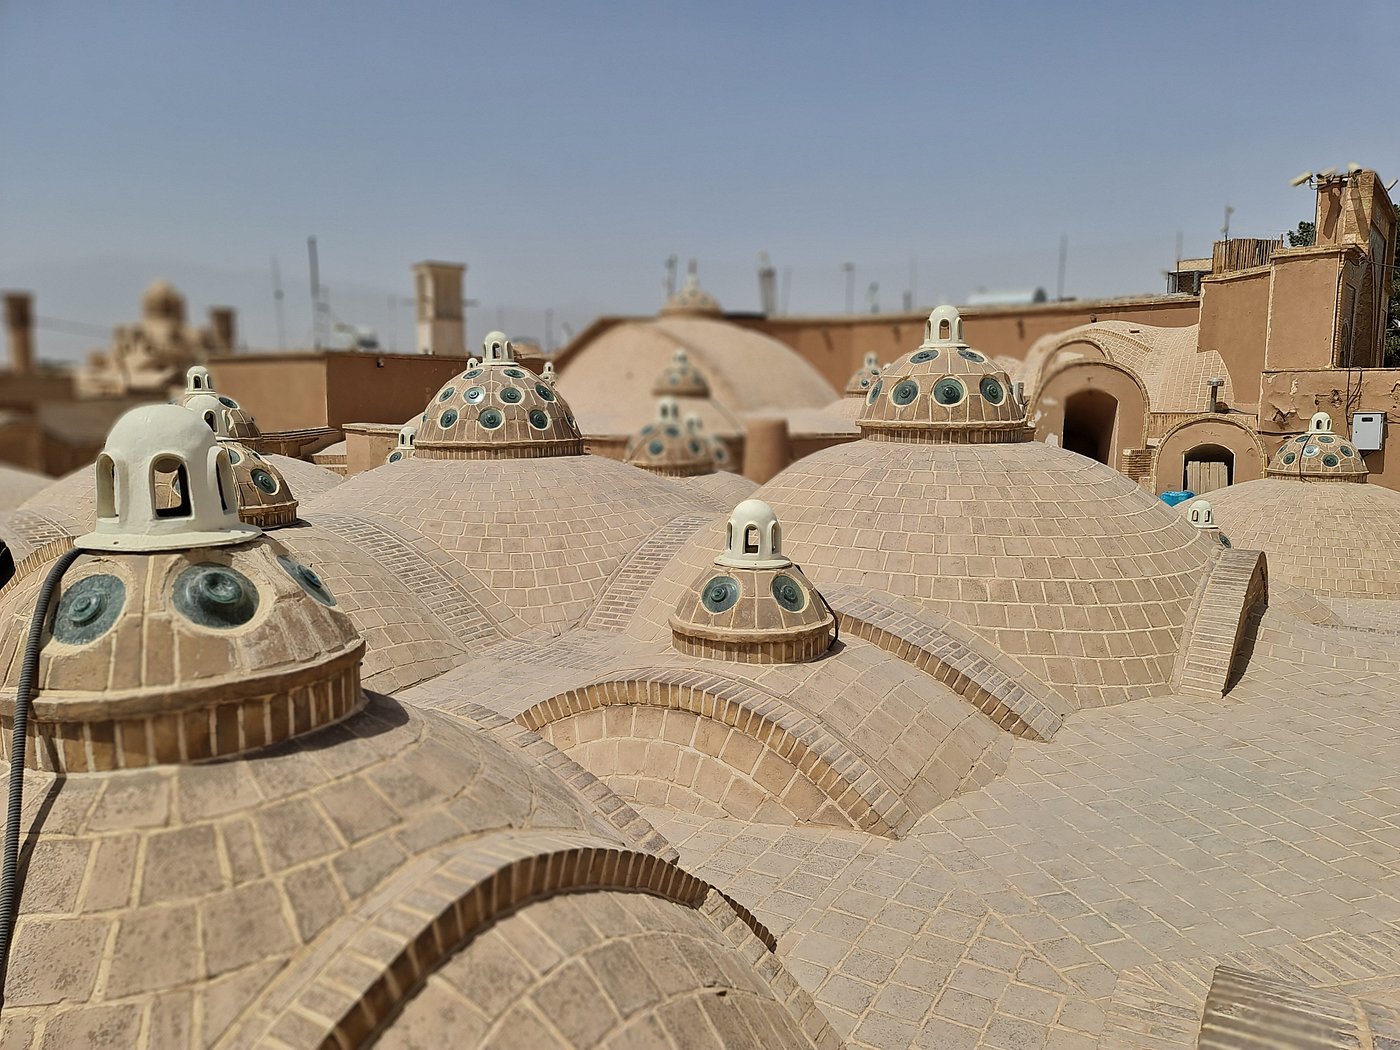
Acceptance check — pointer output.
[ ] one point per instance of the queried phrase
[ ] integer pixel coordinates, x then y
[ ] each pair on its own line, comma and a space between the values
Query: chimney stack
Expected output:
19, 323
223, 323
1214, 385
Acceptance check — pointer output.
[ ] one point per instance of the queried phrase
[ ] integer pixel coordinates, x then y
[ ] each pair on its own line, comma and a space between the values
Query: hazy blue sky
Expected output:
564, 150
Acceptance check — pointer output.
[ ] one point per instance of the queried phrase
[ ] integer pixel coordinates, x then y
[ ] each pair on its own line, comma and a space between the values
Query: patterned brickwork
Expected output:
27, 531
1246, 1011
633, 993
629, 582
1058, 562
924, 741
543, 535
787, 755
1331, 540
236, 871
1018, 704
1161, 1007
391, 945
1091, 889
401, 621
443, 586
203, 726
1233, 596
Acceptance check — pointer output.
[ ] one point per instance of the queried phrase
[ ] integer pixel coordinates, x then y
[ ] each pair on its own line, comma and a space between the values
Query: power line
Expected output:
56, 324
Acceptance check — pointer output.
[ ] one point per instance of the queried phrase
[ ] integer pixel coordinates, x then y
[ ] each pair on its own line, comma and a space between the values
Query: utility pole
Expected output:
849, 269
1060, 277
277, 297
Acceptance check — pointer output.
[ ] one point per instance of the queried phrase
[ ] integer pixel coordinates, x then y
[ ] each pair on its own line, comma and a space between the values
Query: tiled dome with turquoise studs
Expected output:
1318, 455
497, 409
944, 391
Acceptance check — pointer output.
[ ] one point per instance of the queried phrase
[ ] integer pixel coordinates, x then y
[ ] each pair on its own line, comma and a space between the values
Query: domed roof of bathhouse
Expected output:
1062, 563
610, 379
446, 840
1340, 542
541, 534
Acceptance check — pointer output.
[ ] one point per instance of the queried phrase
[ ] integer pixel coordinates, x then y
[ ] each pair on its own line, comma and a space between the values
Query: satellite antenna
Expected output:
1300, 179
1327, 174
1353, 167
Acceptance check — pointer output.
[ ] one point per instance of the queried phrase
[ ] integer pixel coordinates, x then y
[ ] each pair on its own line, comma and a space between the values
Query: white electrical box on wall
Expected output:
1368, 431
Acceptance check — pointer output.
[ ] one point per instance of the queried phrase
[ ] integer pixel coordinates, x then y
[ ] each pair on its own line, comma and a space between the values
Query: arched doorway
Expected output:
1090, 416
1208, 467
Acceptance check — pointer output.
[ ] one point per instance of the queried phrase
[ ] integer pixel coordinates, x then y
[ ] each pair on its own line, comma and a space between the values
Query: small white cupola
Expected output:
1321, 423
165, 483
944, 327
549, 375
223, 415
753, 605
668, 410
496, 349
753, 538
1201, 514
408, 434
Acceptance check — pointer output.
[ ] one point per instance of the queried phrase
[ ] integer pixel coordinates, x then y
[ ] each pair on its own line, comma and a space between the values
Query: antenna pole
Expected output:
787, 287
277, 296
315, 292
850, 271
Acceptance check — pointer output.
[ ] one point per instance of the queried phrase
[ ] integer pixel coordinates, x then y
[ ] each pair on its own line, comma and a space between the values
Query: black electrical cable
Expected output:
24, 699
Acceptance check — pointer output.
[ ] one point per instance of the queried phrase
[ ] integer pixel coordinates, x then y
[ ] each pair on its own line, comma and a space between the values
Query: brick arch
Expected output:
389, 946
790, 756
1111, 378
1230, 433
